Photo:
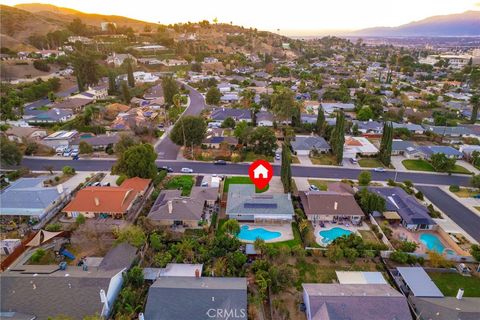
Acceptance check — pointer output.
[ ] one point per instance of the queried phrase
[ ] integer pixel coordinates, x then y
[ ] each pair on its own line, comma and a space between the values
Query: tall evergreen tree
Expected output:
126, 93
337, 139
475, 101
112, 85
385, 152
130, 78
80, 84
286, 168
320, 121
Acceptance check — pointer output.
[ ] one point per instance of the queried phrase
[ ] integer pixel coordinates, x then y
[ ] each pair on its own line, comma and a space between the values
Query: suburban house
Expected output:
371, 126
76, 105
19, 134
304, 145
219, 115
426, 152
413, 128
171, 209
107, 201
60, 138
54, 115
265, 119
186, 298
354, 301
154, 92
447, 308
308, 118
403, 148
243, 204
100, 142
330, 206
412, 214
358, 146
45, 291
451, 132
214, 141
27, 197
118, 59
329, 108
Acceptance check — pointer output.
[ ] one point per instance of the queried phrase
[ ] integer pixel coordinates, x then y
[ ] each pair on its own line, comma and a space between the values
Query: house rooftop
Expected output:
419, 282
309, 143
113, 200
329, 203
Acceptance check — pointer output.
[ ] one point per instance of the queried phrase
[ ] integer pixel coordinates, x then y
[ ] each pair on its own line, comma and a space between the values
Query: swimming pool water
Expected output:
332, 234
432, 242
254, 233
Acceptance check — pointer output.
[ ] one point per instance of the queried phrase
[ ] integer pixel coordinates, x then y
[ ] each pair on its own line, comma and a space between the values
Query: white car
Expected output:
186, 170
379, 169
74, 153
314, 188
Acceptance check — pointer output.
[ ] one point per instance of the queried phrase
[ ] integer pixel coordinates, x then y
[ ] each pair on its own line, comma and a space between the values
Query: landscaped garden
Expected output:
184, 183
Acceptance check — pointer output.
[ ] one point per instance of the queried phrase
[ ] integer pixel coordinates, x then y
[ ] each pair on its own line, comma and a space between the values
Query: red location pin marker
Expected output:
260, 172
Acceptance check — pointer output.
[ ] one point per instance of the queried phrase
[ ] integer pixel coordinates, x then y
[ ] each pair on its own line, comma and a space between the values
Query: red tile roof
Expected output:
137, 184
102, 200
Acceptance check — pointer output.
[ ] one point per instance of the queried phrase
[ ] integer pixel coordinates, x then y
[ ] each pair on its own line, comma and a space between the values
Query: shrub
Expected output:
80, 219
408, 246
57, 178
41, 65
53, 227
454, 188
120, 179
419, 195
159, 177
364, 178
69, 171
37, 255
400, 257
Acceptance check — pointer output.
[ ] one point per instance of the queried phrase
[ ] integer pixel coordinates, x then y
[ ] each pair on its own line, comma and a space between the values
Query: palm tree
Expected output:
231, 227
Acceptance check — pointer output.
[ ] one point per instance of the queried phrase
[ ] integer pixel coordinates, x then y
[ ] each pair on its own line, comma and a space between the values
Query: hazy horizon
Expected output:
313, 19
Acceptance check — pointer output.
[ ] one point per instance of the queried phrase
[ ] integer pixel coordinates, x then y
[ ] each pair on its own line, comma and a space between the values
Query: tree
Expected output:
283, 103
475, 180
132, 234
213, 96
337, 139
231, 227
85, 68
112, 85
365, 113
10, 154
77, 27
475, 251
442, 163
68, 171
170, 88
130, 78
263, 141
475, 102
228, 123
85, 147
126, 93
189, 131
137, 161
408, 246
320, 128
334, 253
286, 170
370, 201
242, 132
247, 98
385, 152
125, 142
364, 178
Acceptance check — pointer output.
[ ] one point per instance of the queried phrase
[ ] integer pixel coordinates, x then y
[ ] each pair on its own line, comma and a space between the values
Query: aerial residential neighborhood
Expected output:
316, 161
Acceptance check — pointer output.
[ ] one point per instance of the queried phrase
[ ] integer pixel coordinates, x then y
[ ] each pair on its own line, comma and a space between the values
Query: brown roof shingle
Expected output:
329, 203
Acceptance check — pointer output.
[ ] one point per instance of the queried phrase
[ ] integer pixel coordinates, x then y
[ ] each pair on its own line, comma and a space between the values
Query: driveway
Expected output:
466, 219
397, 162
302, 184
305, 160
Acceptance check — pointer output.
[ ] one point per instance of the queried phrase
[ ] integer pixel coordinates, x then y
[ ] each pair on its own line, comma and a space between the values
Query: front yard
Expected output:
466, 193
240, 180
370, 163
324, 159
320, 184
449, 283
184, 183
423, 165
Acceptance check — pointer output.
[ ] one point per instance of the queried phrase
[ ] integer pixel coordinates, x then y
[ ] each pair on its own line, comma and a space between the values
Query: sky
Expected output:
298, 17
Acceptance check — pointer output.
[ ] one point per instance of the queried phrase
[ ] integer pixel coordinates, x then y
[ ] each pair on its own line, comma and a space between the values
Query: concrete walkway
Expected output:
397, 163
468, 166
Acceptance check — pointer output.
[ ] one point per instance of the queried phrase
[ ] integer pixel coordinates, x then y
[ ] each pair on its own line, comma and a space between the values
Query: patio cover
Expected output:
391, 215
360, 277
41, 237
419, 282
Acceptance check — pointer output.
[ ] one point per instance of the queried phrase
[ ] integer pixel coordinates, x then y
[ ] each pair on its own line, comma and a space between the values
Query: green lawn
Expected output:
449, 283
461, 170
184, 183
251, 156
370, 163
240, 180
320, 184
324, 159
418, 165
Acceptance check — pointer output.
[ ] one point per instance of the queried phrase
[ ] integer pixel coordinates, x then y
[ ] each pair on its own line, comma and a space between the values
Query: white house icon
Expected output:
260, 171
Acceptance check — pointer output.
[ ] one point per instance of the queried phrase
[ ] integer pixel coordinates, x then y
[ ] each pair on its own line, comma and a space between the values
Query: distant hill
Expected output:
461, 24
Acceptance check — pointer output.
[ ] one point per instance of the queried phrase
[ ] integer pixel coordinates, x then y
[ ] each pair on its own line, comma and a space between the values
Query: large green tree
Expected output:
126, 93
320, 128
385, 152
188, 131
286, 168
10, 154
213, 96
337, 138
137, 161
85, 68
130, 77
442, 163
283, 103
263, 141
170, 89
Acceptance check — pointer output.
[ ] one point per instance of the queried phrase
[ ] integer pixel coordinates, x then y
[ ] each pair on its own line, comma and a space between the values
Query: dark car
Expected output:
168, 169
75, 157
220, 162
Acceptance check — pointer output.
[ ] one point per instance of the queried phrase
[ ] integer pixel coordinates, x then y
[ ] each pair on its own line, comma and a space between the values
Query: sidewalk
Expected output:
470, 203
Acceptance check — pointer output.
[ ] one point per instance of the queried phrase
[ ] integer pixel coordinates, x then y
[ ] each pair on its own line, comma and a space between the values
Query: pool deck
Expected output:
328, 226
285, 230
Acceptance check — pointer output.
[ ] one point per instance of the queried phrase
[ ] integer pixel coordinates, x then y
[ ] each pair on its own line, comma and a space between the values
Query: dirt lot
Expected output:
10, 70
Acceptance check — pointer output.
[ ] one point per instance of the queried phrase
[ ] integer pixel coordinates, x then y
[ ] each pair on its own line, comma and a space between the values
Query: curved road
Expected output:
242, 169
168, 150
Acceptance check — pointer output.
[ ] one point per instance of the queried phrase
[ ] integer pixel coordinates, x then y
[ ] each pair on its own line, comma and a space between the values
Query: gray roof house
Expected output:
99, 142
244, 204
447, 308
308, 118
186, 298
73, 292
28, 197
369, 126
427, 151
414, 215
332, 107
354, 301
265, 119
303, 145
51, 116
449, 131
414, 128
401, 147
236, 114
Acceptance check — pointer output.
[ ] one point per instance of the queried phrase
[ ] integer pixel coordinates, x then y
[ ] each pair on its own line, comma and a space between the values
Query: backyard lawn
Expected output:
324, 159
418, 165
184, 183
370, 163
449, 283
240, 180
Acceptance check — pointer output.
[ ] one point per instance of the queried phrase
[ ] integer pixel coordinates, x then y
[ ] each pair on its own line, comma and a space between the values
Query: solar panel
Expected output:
260, 205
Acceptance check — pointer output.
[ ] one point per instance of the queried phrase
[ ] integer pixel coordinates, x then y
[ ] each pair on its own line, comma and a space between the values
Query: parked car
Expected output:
314, 188
277, 156
67, 152
59, 151
76, 157
96, 184
353, 160
187, 170
379, 169
74, 152
220, 162
168, 169
204, 184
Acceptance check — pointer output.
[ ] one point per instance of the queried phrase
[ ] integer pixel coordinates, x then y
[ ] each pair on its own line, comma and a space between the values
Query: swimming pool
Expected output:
248, 234
432, 242
332, 234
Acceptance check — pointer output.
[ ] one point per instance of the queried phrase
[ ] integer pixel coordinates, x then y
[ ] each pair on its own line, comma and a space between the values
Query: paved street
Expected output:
168, 150
462, 216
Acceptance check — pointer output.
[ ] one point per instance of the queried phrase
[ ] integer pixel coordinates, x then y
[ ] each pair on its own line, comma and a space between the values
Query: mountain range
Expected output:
452, 25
